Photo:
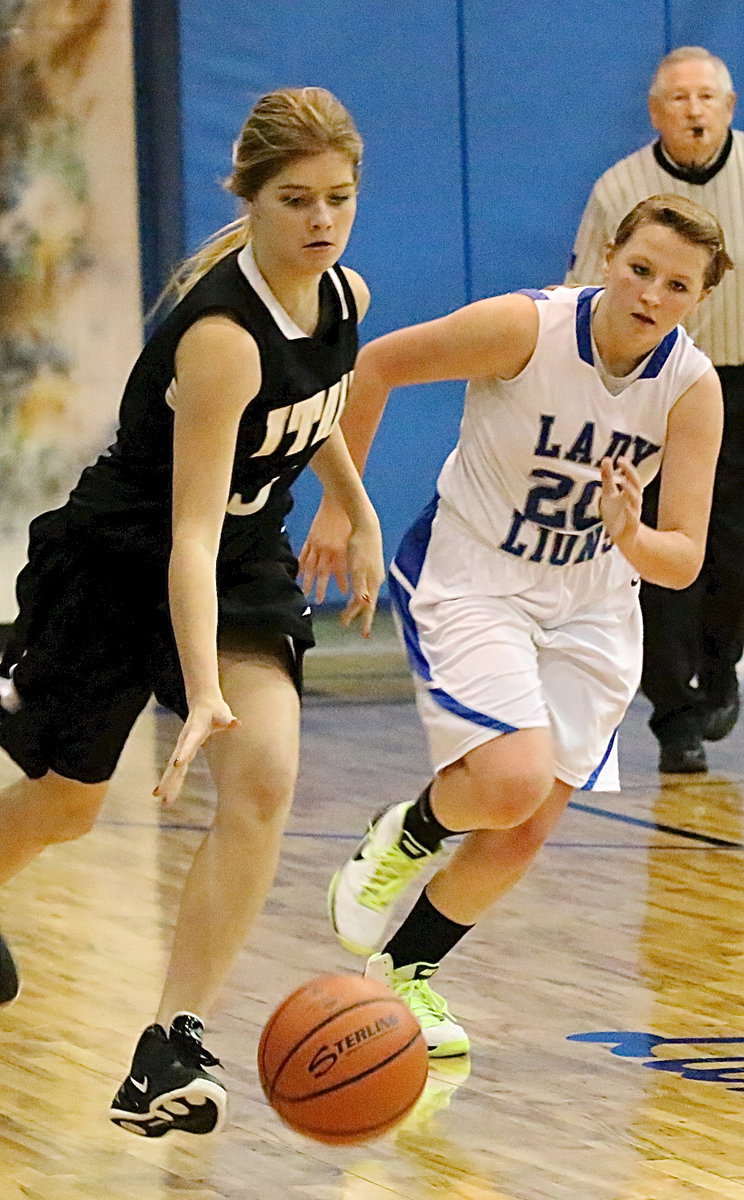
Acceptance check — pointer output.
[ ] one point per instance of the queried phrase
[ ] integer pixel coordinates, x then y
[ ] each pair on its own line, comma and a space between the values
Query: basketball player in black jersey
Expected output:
168, 571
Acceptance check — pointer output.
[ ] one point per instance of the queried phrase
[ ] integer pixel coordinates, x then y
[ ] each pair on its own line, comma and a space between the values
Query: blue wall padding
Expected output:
485, 125
555, 94
719, 26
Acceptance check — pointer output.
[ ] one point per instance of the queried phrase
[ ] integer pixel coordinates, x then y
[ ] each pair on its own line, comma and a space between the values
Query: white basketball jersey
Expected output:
525, 475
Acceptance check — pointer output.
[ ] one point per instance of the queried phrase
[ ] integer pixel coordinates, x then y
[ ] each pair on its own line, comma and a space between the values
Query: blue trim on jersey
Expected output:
595, 774
584, 324
444, 700
400, 600
584, 337
410, 555
533, 293
660, 355
409, 561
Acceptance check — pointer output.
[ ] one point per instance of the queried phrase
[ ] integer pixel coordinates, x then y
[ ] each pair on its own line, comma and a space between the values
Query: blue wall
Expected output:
485, 126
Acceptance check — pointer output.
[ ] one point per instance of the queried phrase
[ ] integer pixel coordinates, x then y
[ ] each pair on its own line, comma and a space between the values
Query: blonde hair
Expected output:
693, 54
690, 220
281, 127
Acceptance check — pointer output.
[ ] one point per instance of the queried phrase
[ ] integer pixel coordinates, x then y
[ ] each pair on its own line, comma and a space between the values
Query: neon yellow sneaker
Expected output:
444, 1037
362, 893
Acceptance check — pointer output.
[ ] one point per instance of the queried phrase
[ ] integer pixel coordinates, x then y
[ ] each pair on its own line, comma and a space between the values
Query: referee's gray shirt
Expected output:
717, 325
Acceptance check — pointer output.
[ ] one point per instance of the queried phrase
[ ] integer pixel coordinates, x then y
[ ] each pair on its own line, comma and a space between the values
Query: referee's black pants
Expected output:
698, 633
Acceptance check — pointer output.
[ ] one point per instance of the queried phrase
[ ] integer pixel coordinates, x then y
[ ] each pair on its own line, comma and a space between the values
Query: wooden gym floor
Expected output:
604, 997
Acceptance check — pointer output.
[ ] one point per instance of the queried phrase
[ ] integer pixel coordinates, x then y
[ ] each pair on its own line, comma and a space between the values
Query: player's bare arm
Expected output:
490, 337
218, 373
672, 554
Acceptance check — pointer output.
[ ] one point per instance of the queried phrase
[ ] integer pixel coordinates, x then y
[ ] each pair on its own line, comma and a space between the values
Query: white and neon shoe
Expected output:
444, 1037
362, 893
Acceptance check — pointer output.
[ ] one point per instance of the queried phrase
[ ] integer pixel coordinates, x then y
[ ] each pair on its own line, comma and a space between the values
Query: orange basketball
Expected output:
342, 1059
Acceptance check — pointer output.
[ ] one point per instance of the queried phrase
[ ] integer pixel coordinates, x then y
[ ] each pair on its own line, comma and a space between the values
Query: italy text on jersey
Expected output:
311, 421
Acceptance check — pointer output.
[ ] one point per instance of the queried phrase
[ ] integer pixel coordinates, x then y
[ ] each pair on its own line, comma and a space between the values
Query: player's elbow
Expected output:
390, 361
685, 578
375, 364
683, 572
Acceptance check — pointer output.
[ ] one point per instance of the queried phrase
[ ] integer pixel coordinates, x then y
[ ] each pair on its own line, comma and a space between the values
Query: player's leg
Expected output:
496, 786
255, 769
723, 606
493, 861
36, 813
64, 724
588, 667
69, 742
70, 690
486, 864
722, 628
671, 661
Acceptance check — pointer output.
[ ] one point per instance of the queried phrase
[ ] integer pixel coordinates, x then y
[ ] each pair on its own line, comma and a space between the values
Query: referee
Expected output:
693, 638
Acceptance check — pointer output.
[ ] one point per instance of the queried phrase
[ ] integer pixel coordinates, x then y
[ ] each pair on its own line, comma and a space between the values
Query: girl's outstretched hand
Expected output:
324, 555
204, 719
366, 571
621, 499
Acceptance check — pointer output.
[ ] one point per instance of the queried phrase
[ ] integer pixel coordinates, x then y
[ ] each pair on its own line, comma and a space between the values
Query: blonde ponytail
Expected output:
230, 237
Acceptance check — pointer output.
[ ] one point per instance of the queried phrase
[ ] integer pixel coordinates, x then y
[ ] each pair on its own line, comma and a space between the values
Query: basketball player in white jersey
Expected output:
516, 590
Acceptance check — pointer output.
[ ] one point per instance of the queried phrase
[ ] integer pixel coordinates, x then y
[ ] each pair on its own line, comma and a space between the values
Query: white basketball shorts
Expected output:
494, 648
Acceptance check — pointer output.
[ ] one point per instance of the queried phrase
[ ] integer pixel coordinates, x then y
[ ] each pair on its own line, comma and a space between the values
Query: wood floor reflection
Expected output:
604, 997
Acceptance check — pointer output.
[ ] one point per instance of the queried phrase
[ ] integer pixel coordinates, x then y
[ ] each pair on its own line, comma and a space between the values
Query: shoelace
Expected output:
187, 1040
389, 877
423, 1001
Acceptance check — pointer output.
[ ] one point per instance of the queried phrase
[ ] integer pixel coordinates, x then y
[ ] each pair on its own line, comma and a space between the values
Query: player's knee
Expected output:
67, 809
509, 799
249, 799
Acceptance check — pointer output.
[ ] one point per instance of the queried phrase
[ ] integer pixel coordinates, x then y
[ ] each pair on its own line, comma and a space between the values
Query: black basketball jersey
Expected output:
125, 497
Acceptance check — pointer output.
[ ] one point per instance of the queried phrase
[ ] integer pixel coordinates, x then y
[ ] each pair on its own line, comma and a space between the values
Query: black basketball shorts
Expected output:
93, 641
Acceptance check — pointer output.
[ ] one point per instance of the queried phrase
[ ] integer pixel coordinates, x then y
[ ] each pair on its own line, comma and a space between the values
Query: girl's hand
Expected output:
620, 502
367, 571
204, 719
324, 555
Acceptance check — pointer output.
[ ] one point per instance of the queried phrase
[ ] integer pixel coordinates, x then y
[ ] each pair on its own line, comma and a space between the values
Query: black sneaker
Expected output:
166, 1088
10, 984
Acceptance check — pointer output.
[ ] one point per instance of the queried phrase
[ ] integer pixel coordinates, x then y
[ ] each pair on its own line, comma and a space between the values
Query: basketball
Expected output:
342, 1059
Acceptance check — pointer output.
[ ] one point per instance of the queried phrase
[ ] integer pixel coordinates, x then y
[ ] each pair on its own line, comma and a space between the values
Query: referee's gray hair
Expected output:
693, 54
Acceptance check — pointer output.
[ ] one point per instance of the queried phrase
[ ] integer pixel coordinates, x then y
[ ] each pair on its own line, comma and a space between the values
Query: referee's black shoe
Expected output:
10, 984
683, 757
719, 718
167, 1088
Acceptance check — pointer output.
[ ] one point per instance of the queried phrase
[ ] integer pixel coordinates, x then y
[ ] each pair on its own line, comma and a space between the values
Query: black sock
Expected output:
425, 936
423, 826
